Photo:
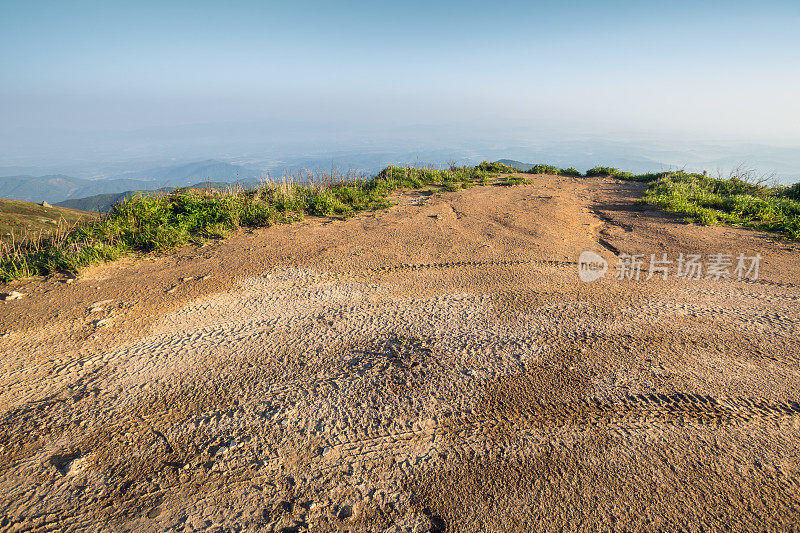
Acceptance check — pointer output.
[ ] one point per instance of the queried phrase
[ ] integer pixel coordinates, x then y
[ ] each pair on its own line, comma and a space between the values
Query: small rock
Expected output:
187, 278
71, 463
171, 289
76, 466
13, 295
69, 280
98, 306
45, 204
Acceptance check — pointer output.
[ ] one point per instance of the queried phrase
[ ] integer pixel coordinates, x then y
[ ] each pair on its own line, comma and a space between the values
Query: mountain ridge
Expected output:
103, 202
57, 188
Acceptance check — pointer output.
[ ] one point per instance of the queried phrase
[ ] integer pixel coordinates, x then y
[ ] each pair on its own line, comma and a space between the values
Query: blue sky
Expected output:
713, 69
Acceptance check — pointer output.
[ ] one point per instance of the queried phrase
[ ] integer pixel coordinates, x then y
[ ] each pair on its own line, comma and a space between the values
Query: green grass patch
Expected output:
570, 172
543, 168
732, 201
152, 223
793, 192
510, 180
497, 167
621, 174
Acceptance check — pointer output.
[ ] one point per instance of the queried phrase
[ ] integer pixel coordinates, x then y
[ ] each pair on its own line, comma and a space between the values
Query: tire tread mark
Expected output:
632, 412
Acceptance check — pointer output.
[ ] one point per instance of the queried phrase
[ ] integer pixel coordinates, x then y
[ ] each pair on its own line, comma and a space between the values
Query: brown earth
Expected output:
437, 366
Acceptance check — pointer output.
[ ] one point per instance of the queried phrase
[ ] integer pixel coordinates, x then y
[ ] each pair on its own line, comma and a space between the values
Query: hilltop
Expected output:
169, 218
26, 218
524, 167
426, 367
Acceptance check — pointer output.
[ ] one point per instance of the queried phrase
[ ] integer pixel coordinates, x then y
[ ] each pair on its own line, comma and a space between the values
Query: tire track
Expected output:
465, 435
492, 432
747, 316
74, 364
410, 267
403, 267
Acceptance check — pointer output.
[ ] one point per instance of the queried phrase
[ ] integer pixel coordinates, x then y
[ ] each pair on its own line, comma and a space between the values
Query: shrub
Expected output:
727, 201
496, 167
571, 172
542, 169
647, 178
514, 180
609, 171
621, 174
793, 192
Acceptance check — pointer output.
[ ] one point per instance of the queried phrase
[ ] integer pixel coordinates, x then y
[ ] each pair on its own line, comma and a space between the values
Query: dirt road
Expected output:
438, 366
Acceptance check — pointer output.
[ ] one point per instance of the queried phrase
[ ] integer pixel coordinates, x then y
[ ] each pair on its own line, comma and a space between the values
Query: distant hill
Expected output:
54, 189
516, 164
37, 188
22, 218
103, 202
58, 188
209, 170
98, 202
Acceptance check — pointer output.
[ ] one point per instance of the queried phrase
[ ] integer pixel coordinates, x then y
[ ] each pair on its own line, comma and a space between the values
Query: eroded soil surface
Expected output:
438, 366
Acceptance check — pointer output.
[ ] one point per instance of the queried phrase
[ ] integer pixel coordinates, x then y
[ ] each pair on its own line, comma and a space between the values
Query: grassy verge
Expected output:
146, 223
738, 200
514, 180
629, 176
543, 168
729, 201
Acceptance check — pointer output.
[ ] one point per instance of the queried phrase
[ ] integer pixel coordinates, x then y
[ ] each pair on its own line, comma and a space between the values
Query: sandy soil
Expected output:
438, 366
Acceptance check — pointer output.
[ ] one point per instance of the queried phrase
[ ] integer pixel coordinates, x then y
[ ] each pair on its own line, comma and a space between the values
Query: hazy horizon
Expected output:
90, 83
